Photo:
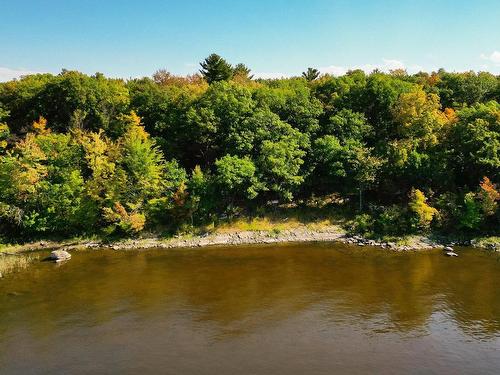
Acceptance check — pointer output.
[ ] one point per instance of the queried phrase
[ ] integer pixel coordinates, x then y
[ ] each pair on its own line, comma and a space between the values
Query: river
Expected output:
268, 309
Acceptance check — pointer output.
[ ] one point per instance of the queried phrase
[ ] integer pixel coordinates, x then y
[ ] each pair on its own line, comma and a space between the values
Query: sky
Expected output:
273, 37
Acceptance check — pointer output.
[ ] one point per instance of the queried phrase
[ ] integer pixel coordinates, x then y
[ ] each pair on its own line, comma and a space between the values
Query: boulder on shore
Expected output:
60, 255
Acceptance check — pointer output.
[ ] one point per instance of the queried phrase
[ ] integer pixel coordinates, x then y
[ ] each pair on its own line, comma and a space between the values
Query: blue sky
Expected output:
273, 37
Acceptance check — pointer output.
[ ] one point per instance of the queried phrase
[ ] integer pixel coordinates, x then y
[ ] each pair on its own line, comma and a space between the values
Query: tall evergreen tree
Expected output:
311, 74
243, 71
215, 68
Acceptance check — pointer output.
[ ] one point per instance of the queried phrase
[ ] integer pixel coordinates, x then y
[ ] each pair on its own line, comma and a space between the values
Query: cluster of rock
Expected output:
415, 245
490, 246
448, 250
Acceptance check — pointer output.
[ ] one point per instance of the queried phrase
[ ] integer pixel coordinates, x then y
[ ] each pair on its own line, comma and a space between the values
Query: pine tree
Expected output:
310, 74
215, 68
242, 71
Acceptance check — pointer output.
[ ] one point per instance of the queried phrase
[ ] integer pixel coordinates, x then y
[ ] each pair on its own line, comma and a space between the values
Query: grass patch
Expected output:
12, 263
10, 248
313, 214
257, 224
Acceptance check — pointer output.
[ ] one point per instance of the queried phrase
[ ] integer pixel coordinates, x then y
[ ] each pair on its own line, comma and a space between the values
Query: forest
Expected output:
399, 153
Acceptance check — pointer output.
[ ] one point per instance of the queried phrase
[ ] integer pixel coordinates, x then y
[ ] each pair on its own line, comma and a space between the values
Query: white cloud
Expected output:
7, 74
494, 57
333, 70
386, 66
416, 68
269, 75
391, 64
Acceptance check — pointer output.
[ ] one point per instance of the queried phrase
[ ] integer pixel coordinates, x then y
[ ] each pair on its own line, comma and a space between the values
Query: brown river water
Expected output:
272, 309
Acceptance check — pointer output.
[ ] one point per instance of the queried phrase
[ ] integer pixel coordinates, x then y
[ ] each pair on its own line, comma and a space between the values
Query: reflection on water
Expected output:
262, 309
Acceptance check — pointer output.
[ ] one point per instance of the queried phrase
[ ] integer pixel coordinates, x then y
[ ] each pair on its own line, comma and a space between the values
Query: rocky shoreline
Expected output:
234, 238
265, 237
303, 234
328, 234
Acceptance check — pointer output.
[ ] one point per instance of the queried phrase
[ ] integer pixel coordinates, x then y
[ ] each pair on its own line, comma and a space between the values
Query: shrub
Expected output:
391, 220
449, 211
471, 215
488, 196
422, 213
362, 224
122, 221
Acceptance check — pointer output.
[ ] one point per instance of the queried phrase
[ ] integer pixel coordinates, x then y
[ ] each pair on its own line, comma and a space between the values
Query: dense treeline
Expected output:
85, 154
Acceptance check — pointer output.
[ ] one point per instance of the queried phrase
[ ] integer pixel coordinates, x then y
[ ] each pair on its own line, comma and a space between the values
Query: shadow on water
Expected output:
224, 294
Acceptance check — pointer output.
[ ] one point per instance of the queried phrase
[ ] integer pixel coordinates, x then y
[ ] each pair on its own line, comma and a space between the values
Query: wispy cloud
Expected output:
334, 70
494, 57
386, 66
269, 75
7, 74
392, 64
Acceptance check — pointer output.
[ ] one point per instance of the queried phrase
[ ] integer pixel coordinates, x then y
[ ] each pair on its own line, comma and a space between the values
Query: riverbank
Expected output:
228, 237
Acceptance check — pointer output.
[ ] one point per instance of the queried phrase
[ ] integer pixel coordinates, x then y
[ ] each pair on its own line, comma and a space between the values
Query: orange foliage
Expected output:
165, 78
129, 222
489, 196
180, 196
40, 126
450, 115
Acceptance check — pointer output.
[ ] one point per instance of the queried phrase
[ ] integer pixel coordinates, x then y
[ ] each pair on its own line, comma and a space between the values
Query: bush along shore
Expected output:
383, 155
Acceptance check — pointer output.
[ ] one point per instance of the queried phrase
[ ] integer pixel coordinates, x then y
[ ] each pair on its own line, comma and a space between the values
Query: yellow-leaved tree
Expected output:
422, 213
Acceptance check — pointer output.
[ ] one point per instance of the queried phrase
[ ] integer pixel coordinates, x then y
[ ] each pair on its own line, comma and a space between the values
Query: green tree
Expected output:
89, 103
213, 118
346, 167
293, 102
347, 124
471, 216
459, 89
142, 161
169, 114
215, 68
473, 144
416, 151
279, 164
242, 72
237, 178
47, 188
311, 74
20, 99
3, 113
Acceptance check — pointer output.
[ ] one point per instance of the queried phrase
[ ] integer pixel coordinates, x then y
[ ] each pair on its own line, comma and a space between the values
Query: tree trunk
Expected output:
360, 199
